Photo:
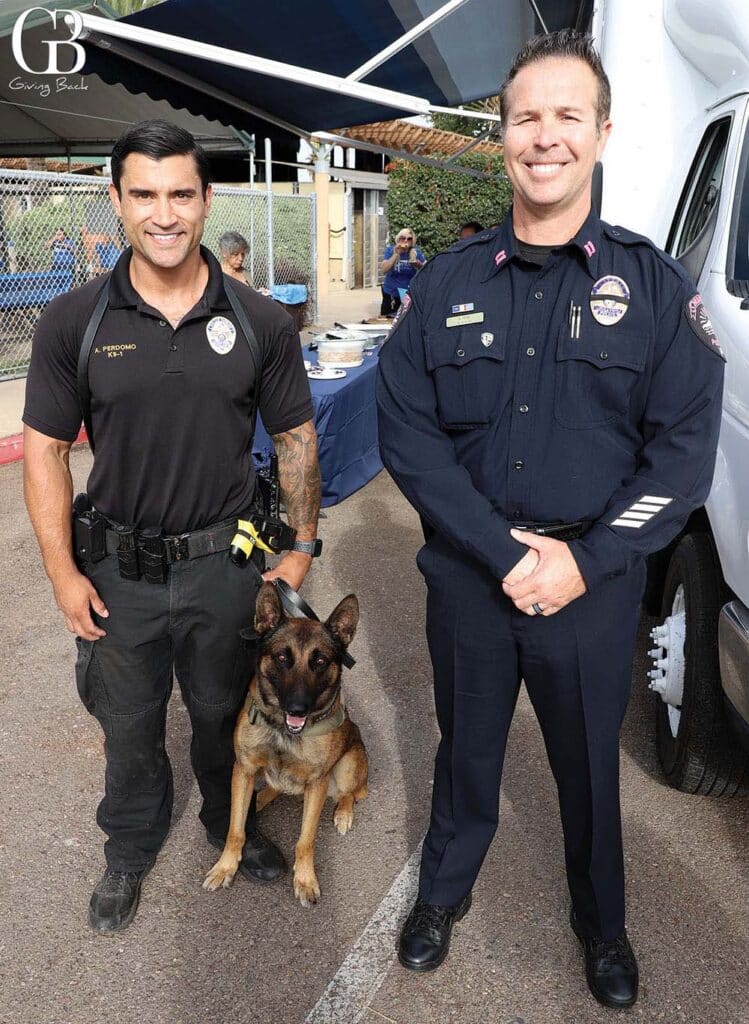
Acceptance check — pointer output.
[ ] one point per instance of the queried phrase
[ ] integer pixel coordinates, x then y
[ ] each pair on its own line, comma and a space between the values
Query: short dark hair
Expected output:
158, 139
565, 43
473, 225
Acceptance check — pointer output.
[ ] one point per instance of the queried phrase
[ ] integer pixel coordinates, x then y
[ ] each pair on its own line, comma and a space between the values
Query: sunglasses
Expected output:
406, 238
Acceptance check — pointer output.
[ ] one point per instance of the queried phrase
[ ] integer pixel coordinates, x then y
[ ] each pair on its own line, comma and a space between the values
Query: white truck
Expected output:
677, 169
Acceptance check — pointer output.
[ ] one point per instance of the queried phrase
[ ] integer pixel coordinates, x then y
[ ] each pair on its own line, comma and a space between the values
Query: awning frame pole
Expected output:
470, 145
102, 27
152, 63
405, 40
249, 62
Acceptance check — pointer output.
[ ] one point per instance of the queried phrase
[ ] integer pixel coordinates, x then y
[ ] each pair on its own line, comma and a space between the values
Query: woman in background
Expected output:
399, 264
232, 249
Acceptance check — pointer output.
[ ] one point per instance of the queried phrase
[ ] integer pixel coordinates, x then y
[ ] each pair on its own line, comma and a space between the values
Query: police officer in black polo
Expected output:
549, 402
177, 367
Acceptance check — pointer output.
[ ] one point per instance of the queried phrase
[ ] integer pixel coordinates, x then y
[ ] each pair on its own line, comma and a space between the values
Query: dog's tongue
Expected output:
295, 722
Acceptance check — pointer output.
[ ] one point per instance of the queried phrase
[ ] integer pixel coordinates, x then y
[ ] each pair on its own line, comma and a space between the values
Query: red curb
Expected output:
11, 448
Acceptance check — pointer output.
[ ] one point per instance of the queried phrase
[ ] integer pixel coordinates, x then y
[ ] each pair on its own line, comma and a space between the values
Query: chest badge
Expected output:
221, 334
464, 319
609, 300
486, 339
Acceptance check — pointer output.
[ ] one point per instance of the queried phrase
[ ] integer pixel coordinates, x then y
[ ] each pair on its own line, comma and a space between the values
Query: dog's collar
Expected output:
326, 721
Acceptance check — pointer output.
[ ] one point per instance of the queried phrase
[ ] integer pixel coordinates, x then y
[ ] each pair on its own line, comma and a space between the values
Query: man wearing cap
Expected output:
178, 364
549, 402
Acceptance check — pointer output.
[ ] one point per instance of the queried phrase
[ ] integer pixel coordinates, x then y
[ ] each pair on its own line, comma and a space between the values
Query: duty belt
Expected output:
557, 531
184, 546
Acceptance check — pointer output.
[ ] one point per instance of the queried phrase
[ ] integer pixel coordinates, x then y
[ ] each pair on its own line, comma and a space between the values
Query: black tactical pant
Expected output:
577, 668
188, 628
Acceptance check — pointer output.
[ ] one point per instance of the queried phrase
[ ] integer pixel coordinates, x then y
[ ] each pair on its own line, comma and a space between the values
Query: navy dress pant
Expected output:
577, 666
187, 627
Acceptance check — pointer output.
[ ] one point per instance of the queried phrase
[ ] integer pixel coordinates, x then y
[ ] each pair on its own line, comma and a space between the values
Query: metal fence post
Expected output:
269, 190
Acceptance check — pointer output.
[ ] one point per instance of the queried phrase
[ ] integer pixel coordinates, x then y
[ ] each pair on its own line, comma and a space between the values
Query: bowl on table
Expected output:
343, 351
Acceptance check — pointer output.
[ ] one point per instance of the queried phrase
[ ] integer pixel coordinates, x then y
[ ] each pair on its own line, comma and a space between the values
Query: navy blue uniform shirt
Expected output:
587, 389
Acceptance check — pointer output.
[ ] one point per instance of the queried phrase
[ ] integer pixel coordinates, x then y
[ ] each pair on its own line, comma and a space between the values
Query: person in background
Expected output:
471, 227
63, 250
399, 264
232, 249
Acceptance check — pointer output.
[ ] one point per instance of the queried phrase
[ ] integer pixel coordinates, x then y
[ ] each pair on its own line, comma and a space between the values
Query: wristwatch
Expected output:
309, 547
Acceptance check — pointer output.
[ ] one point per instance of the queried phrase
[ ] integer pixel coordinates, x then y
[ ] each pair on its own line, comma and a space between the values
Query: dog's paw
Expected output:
219, 875
307, 890
343, 819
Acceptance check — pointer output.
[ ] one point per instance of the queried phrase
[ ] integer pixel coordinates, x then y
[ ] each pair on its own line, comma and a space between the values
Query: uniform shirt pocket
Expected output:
466, 364
596, 374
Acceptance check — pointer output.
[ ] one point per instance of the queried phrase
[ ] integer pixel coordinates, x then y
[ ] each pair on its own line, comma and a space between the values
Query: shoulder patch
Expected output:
402, 310
698, 319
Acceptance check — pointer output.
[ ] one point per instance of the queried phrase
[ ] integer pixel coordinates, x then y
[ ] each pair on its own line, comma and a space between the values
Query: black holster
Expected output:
151, 556
127, 552
89, 532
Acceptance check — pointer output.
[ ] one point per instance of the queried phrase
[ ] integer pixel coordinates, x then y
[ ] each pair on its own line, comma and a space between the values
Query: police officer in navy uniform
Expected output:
549, 402
173, 383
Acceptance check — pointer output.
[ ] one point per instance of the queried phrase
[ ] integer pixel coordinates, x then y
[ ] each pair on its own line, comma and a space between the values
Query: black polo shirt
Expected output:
169, 407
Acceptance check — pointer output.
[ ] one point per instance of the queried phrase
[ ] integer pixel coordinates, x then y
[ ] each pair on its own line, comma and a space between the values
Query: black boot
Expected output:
261, 861
425, 937
610, 968
115, 900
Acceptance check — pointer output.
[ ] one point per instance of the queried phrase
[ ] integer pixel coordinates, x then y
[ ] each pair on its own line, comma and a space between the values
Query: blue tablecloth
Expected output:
346, 420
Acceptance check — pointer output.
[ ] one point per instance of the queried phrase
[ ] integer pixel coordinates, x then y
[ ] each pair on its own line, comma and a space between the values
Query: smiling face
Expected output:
163, 208
552, 141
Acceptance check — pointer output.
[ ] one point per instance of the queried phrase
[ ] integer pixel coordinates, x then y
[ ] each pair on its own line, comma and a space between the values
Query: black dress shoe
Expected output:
115, 900
261, 861
425, 937
610, 968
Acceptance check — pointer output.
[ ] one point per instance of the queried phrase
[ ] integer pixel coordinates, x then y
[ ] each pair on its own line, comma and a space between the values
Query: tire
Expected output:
703, 756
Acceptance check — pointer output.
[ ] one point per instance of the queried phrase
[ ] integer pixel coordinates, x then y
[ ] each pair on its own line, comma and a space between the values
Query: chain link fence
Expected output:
59, 230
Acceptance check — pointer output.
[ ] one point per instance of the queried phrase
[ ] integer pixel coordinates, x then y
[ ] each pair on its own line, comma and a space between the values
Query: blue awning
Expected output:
460, 59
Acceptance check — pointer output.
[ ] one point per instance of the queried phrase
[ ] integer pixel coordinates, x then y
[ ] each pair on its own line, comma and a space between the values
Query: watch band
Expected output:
309, 547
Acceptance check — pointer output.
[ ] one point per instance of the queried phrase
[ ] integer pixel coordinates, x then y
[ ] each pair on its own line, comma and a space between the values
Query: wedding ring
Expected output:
537, 609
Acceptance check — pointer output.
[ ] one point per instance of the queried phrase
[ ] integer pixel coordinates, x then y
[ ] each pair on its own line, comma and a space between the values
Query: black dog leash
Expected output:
298, 608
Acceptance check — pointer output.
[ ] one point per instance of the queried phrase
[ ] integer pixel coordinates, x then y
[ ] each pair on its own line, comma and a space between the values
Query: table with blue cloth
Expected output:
345, 417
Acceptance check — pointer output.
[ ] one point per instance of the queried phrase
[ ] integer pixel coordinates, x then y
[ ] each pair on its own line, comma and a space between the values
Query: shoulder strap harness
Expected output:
94, 323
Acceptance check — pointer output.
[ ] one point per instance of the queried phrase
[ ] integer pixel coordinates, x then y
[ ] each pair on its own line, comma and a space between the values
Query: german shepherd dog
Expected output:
294, 730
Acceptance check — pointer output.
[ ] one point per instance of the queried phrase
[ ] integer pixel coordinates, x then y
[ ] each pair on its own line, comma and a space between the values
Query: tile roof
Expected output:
412, 138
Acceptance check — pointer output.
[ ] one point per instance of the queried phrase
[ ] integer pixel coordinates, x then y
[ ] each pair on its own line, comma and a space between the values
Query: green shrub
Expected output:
435, 202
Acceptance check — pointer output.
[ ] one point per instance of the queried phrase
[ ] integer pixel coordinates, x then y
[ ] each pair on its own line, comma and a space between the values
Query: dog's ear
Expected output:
268, 610
343, 619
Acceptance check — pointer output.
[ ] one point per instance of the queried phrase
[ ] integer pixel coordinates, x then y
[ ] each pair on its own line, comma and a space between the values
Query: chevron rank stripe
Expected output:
641, 511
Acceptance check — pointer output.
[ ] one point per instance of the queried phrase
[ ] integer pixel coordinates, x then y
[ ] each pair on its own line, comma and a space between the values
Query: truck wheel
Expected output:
696, 748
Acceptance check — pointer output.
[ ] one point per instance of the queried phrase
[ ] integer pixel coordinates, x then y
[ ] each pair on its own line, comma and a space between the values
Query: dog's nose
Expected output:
298, 709
297, 705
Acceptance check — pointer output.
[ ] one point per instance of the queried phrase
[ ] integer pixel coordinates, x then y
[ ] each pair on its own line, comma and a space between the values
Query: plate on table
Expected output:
325, 373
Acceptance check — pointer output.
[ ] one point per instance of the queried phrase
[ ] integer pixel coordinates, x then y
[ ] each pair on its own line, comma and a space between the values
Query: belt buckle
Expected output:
177, 548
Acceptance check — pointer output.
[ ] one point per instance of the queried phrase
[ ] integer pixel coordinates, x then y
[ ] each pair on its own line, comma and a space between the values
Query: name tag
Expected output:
466, 318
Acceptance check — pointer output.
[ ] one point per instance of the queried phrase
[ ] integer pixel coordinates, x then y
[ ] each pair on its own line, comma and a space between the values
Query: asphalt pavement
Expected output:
253, 955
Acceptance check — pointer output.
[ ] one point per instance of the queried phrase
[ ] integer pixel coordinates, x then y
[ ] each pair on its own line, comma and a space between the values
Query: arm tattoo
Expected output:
299, 477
